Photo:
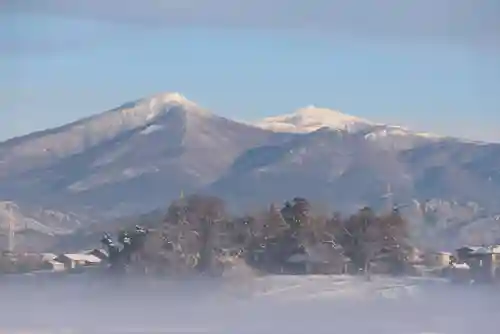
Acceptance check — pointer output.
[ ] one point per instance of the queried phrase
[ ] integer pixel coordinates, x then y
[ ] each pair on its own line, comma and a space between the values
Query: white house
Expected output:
74, 260
48, 257
53, 265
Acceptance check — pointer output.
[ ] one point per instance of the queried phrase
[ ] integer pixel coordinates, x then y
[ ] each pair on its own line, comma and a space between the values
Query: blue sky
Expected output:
431, 68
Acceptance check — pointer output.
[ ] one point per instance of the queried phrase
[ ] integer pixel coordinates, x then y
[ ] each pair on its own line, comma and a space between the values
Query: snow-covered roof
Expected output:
82, 257
481, 250
471, 248
48, 256
100, 253
443, 253
460, 266
495, 249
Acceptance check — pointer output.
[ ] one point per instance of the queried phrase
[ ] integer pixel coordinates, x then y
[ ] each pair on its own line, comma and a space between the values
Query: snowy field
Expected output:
276, 304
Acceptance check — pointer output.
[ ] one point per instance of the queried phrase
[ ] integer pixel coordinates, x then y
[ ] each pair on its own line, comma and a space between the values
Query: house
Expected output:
49, 262
75, 260
414, 255
438, 259
463, 253
100, 253
459, 272
484, 261
317, 259
53, 265
48, 257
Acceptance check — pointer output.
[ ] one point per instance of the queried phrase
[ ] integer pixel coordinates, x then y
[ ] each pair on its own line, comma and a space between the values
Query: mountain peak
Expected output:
169, 98
312, 118
153, 106
160, 101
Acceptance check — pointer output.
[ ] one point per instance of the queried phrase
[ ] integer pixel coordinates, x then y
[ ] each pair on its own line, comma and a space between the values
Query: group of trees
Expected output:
198, 234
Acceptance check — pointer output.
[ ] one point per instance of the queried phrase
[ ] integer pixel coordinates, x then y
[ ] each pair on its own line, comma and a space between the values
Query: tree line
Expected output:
198, 234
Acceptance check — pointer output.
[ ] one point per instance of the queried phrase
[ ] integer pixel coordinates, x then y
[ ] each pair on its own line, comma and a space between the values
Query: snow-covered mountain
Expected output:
44, 147
142, 154
312, 118
146, 151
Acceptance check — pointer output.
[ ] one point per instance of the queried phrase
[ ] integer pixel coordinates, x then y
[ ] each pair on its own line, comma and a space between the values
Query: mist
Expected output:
273, 304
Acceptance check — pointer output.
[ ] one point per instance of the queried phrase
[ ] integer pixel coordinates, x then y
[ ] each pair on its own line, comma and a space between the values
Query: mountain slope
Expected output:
141, 155
146, 151
323, 165
349, 170
44, 147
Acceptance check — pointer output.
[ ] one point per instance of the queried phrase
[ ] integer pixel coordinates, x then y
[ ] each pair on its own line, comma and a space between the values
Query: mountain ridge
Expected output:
140, 111
136, 157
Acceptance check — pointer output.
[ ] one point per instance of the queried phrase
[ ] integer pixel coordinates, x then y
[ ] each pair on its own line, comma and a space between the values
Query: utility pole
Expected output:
12, 235
389, 196
11, 226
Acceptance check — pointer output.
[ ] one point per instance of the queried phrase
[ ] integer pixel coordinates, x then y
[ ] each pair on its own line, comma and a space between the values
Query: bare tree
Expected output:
361, 239
193, 226
196, 235
396, 240
274, 224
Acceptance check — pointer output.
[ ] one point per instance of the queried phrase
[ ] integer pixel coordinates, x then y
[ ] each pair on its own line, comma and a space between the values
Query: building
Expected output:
463, 253
484, 262
75, 260
100, 253
459, 272
48, 257
438, 259
415, 256
317, 259
53, 265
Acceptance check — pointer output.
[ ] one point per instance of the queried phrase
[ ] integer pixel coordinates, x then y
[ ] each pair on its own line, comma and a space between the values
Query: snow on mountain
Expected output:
41, 148
381, 131
150, 107
153, 147
312, 118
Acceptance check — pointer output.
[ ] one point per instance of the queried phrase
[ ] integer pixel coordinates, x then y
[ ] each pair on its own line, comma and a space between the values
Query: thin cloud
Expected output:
465, 22
27, 34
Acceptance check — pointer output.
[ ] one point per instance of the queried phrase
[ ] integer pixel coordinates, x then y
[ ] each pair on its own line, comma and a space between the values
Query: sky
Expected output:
429, 65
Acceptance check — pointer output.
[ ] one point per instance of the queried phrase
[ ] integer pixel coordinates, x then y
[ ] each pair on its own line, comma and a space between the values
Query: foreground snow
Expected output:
277, 304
